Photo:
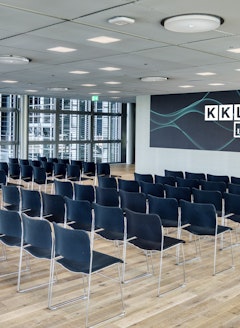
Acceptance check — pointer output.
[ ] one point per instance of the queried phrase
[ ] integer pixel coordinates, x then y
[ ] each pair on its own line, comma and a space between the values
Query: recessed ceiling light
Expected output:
237, 69
216, 84
94, 93
58, 89
110, 68
31, 90
192, 23
10, 59
104, 39
78, 72
234, 50
9, 81
206, 73
62, 49
88, 85
112, 82
153, 79
186, 86
121, 20
114, 91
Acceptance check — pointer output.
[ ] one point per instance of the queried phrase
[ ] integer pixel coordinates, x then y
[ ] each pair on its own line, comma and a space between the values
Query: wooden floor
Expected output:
205, 301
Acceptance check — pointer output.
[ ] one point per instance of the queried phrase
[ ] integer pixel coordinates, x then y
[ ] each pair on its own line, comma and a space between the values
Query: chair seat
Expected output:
39, 252
112, 235
234, 217
100, 261
11, 241
200, 231
11, 207
151, 245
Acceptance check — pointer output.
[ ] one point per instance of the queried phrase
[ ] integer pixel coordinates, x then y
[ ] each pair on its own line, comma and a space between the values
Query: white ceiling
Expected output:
28, 28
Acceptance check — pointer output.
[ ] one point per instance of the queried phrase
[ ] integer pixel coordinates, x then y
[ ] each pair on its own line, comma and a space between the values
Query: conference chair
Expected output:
145, 231
84, 192
59, 170
23, 161
195, 176
13, 160
232, 210
10, 235
26, 174
35, 162
11, 198
77, 162
107, 182
234, 188
4, 167
178, 192
40, 178
63, 188
89, 169
53, 207
37, 241
73, 172
3, 178
218, 178
209, 197
48, 166
14, 171
214, 185
235, 180
190, 183
201, 220
64, 161
74, 252
31, 202
149, 188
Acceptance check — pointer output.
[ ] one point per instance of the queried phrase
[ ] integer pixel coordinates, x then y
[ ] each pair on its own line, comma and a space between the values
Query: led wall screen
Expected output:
204, 121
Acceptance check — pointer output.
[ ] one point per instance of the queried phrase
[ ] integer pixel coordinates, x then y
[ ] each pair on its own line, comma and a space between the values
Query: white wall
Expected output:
155, 160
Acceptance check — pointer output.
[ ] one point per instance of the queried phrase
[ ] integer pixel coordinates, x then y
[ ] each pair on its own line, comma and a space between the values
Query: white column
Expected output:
23, 127
130, 134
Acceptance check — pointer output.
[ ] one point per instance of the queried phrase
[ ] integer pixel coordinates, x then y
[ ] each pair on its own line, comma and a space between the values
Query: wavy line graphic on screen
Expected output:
177, 120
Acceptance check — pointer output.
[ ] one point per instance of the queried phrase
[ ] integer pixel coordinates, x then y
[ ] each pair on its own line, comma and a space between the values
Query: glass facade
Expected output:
64, 128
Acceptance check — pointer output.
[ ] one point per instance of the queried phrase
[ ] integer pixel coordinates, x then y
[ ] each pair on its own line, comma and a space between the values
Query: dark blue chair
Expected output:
37, 240
195, 176
201, 220
135, 201
63, 188
178, 192
53, 207
74, 252
234, 188
30, 202
78, 214
209, 197
143, 177
218, 178
10, 197
171, 181
128, 185
155, 189
175, 174
107, 196
145, 231
107, 182
84, 192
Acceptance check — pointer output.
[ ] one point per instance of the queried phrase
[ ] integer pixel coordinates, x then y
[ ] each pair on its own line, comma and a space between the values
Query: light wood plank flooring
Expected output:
205, 301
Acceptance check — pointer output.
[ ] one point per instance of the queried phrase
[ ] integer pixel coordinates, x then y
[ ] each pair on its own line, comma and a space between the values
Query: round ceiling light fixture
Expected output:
153, 79
192, 23
11, 59
57, 89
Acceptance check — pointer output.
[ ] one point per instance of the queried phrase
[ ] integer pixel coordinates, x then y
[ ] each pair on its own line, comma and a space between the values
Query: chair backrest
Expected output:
79, 213
14, 170
190, 183
63, 188
73, 172
149, 188
171, 181
59, 170
134, 201
198, 214
107, 196
37, 232
128, 185
218, 178
53, 207
235, 180
166, 208
231, 203
89, 168
169, 173
146, 228
84, 192
3, 178
52, 159
77, 162
30, 202
26, 172
195, 176
111, 220
10, 224
35, 162
13, 160
103, 169
208, 197
178, 192
42, 158
214, 185
4, 167
23, 161
10, 197
48, 166
107, 182
64, 161
39, 175
234, 188
143, 177
72, 245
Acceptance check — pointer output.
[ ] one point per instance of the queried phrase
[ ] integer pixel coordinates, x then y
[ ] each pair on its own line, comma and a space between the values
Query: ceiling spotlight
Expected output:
10, 59
121, 20
153, 79
58, 89
192, 23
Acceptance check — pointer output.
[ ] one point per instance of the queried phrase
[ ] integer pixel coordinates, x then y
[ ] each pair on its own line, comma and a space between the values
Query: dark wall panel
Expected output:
178, 121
